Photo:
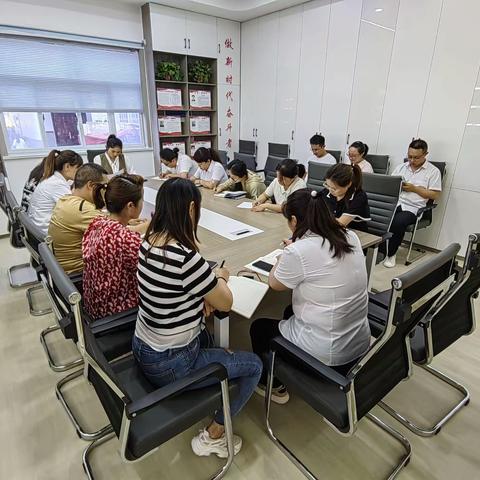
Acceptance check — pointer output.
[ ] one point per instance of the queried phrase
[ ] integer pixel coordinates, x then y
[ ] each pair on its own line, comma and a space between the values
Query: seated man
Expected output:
72, 216
422, 181
319, 154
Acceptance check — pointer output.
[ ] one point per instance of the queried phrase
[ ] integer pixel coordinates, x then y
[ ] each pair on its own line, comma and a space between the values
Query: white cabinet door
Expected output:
249, 81
316, 17
288, 61
168, 29
228, 106
228, 52
201, 35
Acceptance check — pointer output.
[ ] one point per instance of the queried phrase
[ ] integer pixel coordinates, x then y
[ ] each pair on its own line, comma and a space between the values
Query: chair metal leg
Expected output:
51, 363
37, 312
421, 253
88, 436
86, 454
28, 276
435, 429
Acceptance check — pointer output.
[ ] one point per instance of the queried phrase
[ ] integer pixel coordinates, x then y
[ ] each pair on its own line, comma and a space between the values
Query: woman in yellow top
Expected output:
242, 179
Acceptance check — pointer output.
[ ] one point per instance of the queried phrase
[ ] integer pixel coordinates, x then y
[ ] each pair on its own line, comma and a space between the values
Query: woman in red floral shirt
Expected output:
110, 248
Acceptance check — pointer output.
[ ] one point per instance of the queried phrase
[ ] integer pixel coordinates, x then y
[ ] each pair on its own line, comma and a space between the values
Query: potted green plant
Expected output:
169, 71
200, 72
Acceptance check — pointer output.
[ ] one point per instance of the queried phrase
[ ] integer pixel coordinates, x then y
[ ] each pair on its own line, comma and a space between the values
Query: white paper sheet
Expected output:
270, 258
225, 226
149, 195
248, 205
247, 295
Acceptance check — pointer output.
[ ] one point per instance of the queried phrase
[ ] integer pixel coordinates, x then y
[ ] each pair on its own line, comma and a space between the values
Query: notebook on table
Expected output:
233, 195
247, 295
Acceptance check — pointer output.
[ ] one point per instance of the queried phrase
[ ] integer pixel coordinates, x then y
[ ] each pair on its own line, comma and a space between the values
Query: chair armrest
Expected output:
282, 345
386, 236
107, 324
379, 303
214, 370
422, 210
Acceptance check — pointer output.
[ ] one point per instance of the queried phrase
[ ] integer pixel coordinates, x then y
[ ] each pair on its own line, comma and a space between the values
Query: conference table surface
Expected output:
240, 252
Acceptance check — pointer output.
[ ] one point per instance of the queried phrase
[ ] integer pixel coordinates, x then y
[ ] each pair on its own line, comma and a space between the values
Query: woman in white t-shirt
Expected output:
357, 153
210, 172
325, 269
176, 164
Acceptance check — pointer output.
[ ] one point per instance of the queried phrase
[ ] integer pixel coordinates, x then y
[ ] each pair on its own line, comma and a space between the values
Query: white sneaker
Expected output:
279, 395
203, 445
390, 262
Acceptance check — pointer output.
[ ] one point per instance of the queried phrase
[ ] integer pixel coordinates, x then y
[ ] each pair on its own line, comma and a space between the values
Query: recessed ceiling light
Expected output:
378, 10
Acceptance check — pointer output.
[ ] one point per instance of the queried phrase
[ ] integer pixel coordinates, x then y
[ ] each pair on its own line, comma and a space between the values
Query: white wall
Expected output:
383, 71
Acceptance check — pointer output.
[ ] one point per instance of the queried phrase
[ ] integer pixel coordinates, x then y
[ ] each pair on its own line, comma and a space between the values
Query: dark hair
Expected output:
342, 174
119, 191
203, 155
113, 141
238, 168
318, 140
313, 215
362, 148
37, 173
171, 219
90, 172
419, 144
168, 154
301, 170
56, 159
288, 168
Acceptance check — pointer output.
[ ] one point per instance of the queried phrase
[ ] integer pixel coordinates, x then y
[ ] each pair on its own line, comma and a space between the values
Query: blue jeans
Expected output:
162, 368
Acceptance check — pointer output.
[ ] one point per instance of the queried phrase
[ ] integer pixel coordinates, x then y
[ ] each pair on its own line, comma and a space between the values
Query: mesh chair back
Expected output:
91, 154
316, 175
223, 157
382, 192
271, 168
391, 363
278, 150
247, 146
247, 159
337, 154
379, 163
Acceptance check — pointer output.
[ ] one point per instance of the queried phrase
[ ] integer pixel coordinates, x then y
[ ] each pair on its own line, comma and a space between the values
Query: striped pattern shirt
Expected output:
172, 282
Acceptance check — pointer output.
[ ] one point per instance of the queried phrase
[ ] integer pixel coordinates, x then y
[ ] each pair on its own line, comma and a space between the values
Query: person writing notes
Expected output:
422, 181
113, 160
242, 179
177, 289
325, 269
210, 170
285, 184
319, 154
176, 164
357, 153
344, 196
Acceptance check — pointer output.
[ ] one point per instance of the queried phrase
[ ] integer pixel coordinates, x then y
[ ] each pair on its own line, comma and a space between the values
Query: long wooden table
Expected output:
242, 251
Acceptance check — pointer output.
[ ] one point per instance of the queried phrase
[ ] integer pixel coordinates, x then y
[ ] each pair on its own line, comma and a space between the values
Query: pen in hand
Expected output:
223, 263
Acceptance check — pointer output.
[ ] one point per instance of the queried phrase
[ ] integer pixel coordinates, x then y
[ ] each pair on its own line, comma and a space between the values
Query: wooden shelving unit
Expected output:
186, 112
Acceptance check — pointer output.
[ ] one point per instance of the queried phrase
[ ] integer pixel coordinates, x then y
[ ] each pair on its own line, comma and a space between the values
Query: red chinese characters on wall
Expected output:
228, 62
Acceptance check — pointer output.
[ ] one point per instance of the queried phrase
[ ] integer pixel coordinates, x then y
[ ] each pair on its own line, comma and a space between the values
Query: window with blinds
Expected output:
58, 94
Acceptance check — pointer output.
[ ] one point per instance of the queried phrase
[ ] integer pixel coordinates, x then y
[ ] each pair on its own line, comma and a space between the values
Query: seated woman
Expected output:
176, 164
113, 160
325, 269
58, 173
110, 249
242, 179
357, 153
210, 170
344, 196
31, 184
177, 289
281, 188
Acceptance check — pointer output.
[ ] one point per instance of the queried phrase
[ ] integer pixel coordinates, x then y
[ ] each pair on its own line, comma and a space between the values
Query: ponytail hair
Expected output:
168, 154
118, 192
343, 174
313, 215
56, 159
203, 155
113, 141
362, 148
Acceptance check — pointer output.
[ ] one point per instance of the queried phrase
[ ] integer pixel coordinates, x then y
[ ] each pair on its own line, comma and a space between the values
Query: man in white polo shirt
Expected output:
319, 154
422, 182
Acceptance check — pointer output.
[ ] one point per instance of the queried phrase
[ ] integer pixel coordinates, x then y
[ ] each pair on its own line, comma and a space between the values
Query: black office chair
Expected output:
279, 150
248, 147
144, 417
343, 400
453, 318
424, 219
223, 158
337, 154
270, 170
316, 175
379, 163
91, 154
248, 159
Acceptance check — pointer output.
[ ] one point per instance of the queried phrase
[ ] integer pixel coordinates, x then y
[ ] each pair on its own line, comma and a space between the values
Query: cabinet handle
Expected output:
348, 138
184, 43
293, 131
189, 44
256, 132
218, 48
220, 132
253, 132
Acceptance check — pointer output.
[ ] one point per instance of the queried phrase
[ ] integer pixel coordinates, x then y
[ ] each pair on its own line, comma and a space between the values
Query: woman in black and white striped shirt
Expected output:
176, 289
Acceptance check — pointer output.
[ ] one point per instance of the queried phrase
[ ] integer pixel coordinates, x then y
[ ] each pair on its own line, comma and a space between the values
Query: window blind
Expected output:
52, 76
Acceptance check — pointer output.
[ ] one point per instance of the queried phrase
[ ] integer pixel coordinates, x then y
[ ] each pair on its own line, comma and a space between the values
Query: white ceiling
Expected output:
239, 10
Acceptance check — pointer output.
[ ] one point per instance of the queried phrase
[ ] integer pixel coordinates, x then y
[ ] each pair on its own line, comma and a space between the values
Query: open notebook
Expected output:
247, 295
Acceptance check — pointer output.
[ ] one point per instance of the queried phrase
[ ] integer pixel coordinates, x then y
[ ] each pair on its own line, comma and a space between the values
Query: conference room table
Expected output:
243, 251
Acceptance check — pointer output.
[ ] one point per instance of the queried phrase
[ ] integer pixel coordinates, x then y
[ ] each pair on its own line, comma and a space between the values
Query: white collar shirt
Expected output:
115, 164
214, 173
327, 159
280, 194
